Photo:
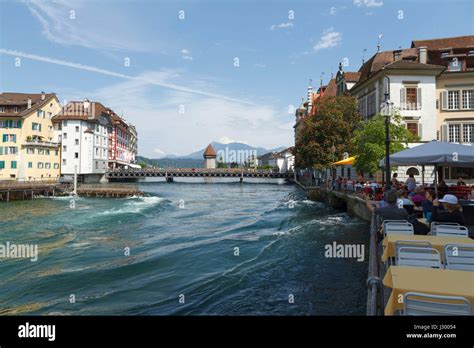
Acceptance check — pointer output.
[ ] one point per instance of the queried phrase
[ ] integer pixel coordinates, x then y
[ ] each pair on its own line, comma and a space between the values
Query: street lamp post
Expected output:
386, 110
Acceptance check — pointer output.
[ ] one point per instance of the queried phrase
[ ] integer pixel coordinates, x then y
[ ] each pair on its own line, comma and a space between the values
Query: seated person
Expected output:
452, 212
460, 182
390, 210
427, 204
419, 196
403, 198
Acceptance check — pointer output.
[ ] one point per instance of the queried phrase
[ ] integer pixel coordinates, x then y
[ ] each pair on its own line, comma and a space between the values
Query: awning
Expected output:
347, 161
434, 153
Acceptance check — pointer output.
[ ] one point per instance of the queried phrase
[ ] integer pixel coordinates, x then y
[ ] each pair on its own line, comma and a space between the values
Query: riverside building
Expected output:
28, 148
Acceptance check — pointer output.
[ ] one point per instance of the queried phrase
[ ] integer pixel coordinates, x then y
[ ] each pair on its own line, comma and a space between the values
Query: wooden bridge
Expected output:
170, 174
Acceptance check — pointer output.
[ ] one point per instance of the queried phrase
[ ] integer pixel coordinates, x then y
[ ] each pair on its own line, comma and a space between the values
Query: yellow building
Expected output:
28, 150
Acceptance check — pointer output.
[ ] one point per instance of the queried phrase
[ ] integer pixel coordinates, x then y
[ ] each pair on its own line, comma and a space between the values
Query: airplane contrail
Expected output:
116, 74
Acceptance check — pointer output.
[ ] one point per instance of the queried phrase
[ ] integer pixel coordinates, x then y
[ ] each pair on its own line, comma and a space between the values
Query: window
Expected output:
96, 151
76, 154
50, 128
56, 152
40, 165
56, 166
76, 141
47, 165
9, 138
77, 129
468, 133
444, 54
2, 109
46, 152
13, 150
96, 164
30, 151
410, 98
453, 133
453, 100
2, 164
40, 151
468, 99
30, 164
65, 123
50, 114
64, 148
38, 113
371, 105
64, 161
64, 135
15, 109
13, 165
412, 127
36, 126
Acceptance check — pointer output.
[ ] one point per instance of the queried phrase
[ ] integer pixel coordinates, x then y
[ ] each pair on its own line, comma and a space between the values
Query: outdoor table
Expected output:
434, 281
437, 242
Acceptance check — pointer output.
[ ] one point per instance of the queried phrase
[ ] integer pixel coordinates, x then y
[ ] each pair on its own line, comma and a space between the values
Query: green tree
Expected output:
142, 164
369, 141
329, 129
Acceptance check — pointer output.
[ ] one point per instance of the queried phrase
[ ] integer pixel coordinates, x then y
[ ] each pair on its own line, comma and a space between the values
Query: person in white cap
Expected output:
452, 210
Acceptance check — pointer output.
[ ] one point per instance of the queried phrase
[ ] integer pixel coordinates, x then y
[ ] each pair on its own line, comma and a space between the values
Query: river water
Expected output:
195, 248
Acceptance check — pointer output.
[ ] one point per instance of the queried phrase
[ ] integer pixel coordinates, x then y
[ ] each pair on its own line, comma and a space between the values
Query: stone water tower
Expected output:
209, 157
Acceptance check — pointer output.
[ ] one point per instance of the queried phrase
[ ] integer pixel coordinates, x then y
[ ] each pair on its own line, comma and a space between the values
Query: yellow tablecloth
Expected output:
432, 281
437, 242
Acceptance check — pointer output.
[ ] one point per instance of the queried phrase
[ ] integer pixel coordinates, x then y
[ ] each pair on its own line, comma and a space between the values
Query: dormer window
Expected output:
444, 54
471, 53
456, 65
15, 109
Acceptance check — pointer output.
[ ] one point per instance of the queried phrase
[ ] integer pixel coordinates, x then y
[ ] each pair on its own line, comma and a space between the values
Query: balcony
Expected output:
43, 143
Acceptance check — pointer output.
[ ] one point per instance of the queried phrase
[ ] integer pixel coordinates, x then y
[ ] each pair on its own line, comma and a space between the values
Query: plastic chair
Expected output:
418, 257
415, 303
459, 257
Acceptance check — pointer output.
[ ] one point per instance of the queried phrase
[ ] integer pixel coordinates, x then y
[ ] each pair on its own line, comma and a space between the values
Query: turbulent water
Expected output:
200, 248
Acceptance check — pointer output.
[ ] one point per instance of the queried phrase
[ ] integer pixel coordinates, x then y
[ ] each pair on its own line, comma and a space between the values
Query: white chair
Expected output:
459, 257
451, 231
397, 227
415, 303
409, 243
434, 225
418, 257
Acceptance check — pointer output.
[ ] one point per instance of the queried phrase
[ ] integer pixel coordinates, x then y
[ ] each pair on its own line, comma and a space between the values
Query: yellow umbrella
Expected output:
347, 161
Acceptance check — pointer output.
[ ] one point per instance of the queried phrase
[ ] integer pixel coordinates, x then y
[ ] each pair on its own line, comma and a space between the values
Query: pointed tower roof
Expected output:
209, 152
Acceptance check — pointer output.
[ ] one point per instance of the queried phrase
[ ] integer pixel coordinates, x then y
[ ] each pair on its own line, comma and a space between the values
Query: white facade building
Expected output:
83, 133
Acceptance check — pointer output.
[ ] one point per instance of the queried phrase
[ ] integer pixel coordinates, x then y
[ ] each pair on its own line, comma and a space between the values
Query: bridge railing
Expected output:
192, 170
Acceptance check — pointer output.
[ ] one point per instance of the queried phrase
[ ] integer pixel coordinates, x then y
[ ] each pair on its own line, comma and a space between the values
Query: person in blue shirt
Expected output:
427, 204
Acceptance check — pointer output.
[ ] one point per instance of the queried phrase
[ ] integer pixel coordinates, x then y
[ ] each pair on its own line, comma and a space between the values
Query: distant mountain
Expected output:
195, 159
219, 147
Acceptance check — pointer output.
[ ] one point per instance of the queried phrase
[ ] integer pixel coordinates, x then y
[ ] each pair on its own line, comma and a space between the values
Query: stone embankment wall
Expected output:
355, 206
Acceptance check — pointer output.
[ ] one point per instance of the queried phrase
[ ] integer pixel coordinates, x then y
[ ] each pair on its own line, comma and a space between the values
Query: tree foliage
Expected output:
329, 129
369, 141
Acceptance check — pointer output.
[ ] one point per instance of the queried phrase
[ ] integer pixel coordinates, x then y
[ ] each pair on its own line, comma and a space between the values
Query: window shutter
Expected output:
403, 93
444, 132
444, 100
418, 98
420, 131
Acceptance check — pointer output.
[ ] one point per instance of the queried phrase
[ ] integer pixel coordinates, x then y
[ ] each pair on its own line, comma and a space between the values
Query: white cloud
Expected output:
368, 3
227, 140
281, 26
161, 126
159, 153
333, 10
75, 23
186, 54
146, 78
329, 39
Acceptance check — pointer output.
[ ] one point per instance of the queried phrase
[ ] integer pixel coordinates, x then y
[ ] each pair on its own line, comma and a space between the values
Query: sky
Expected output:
187, 73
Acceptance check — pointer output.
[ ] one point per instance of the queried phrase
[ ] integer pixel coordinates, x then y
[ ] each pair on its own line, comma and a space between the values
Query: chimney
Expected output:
29, 103
423, 54
42, 95
397, 55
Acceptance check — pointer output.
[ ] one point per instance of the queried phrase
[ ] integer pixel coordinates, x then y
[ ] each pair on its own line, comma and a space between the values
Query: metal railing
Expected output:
375, 297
